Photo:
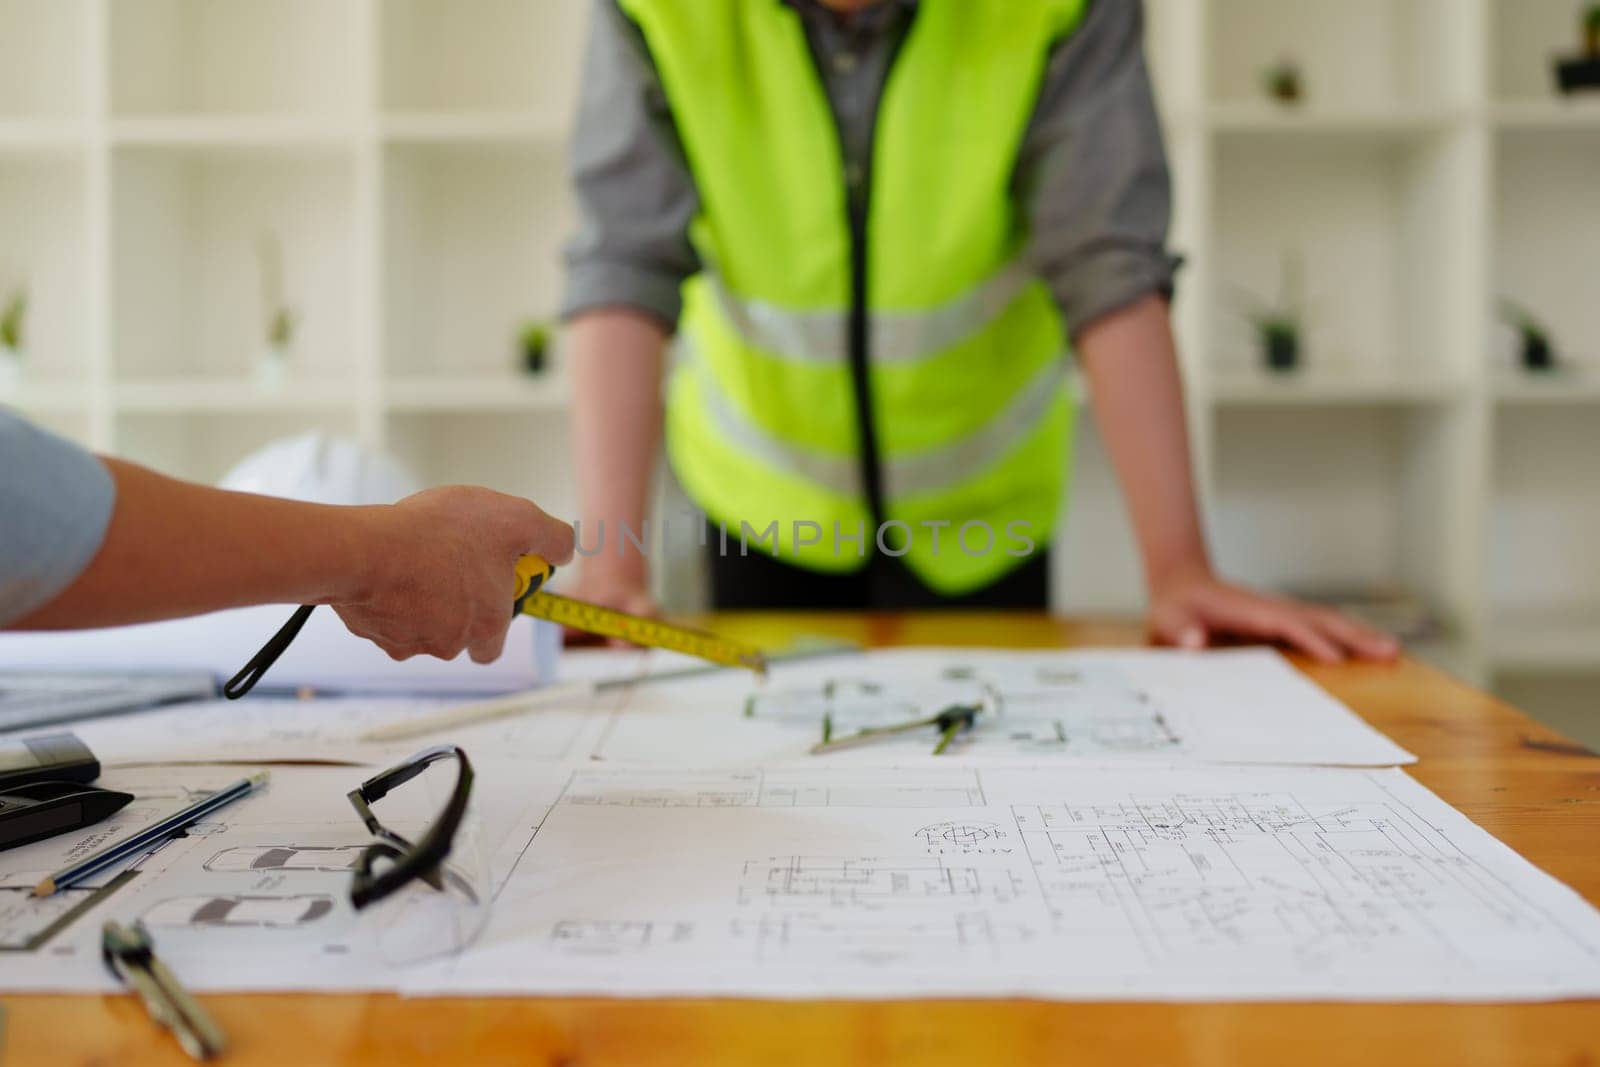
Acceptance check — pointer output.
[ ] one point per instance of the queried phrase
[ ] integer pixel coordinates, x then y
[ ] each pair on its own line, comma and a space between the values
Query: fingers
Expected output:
400, 638
1195, 616
1357, 637
1192, 637
1302, 634
489, 638
1180, 627
1257, 616
1250, 615
533, 532
1330, 637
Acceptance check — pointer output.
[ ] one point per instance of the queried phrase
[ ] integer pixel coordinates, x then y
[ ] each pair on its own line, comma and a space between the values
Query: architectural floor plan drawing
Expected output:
1100, 881
1242, 706
1027, 709
775, 787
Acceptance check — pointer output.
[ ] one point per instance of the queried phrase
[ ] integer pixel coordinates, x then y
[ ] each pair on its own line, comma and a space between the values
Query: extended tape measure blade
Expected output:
652, 633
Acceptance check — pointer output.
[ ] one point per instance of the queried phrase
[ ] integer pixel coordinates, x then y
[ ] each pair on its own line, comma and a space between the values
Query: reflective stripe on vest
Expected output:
896, 336
918, 474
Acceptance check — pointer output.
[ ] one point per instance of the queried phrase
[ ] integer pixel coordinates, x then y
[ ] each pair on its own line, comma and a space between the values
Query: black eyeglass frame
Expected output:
412, 862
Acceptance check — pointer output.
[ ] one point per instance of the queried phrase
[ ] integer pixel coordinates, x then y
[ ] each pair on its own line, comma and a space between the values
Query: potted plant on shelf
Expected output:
1279, 326
13, 320
533, 346
272, 366
1284, 83
1582, 72
1536, 354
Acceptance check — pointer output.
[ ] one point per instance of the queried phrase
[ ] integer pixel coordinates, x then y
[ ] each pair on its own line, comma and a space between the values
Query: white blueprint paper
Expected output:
264, 728
324, 730
1246, 706
1072, 882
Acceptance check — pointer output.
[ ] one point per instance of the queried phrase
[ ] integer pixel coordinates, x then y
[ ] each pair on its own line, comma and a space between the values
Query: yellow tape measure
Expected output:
533, 572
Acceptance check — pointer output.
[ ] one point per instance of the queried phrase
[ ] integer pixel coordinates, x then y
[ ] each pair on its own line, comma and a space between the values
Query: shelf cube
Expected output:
472, 251
232, 57
188, 275
43, 253
204, 446
482, 55
1373, 220
522, 453
42, 46
1354, 55
1547, 236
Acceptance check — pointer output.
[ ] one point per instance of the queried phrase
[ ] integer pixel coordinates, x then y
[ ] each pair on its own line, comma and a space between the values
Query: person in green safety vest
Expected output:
870, 232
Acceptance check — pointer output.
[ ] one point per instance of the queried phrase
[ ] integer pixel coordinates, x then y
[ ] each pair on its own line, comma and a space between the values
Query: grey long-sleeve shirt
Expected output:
1091, 178
55, 504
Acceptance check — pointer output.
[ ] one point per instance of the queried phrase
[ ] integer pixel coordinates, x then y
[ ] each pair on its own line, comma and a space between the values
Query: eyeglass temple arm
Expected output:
378, 786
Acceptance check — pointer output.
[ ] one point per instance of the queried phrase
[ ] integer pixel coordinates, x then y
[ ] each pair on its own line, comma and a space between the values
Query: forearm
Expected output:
174, 548
1131, 362
616, 359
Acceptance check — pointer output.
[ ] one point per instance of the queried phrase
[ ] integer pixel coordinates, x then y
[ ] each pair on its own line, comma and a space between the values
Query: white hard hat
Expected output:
320, 469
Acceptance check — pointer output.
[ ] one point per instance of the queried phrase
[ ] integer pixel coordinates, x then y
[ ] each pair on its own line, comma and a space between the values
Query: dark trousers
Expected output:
758, 582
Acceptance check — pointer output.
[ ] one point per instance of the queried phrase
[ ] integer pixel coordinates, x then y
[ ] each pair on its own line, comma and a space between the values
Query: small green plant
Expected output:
280, 328
534, 345
1537, 352
1278, 326
1283, 82
1591, 30
278, 316
12, 321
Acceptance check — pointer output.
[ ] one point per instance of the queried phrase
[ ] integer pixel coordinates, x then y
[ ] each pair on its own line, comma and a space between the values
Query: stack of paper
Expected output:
325, 656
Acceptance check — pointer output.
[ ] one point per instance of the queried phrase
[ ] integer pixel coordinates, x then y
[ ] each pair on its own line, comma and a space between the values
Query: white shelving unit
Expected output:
405, 156
1430, 169
409, 157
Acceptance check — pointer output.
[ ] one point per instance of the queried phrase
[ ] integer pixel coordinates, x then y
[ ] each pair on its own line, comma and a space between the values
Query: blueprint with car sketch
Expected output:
1098, 882
254, 898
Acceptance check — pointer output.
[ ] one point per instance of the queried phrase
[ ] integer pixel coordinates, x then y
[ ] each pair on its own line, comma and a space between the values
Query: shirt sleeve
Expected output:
1092, 179
55, 505
634, 191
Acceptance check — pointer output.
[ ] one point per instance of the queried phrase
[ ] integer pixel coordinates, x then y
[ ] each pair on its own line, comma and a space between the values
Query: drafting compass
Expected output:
950, 723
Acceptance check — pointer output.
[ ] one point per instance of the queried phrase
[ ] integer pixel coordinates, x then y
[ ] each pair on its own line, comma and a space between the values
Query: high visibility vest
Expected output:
964, 348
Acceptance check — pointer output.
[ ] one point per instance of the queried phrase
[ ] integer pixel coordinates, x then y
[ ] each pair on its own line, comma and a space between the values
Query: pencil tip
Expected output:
45, 888
259, 778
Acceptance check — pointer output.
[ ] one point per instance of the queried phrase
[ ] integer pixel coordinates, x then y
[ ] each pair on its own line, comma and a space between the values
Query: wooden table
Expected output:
1534, 789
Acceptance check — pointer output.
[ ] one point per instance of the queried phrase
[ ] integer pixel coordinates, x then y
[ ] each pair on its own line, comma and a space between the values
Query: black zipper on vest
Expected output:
860, 335
861, 360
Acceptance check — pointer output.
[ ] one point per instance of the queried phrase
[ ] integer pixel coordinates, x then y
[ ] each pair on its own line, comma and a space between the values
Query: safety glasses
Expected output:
421, 893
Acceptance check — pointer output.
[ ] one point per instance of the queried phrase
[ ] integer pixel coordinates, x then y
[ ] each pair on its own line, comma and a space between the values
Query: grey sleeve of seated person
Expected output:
55, 504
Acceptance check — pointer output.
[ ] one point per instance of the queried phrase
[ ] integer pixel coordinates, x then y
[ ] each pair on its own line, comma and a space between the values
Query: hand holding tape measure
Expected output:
529, 598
